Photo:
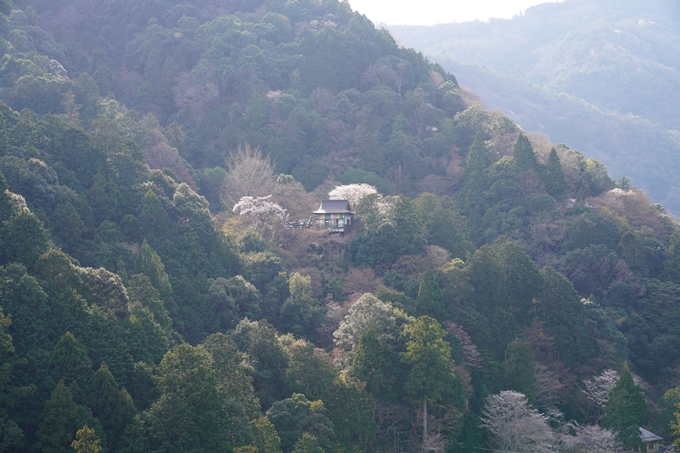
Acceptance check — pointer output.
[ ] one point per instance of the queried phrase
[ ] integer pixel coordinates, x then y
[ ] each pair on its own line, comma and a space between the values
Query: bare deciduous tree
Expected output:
471, 355
250, 174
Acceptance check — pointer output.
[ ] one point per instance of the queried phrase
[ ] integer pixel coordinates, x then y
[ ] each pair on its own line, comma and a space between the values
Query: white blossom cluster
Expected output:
261, 208
352, 193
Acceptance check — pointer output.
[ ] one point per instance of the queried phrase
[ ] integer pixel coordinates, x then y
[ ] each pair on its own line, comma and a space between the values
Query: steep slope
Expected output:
139, 312
604, 71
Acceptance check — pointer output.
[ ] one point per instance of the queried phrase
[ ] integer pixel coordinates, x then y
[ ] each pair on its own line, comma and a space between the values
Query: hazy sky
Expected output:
430, 12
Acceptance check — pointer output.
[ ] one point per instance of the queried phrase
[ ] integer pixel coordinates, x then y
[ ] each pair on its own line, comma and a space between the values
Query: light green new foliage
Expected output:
432, 375
86, 442
307, 444
265, 436
432, 372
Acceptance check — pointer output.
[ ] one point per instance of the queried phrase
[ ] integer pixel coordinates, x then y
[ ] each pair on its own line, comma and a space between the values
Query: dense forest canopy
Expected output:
601, 75
154, 157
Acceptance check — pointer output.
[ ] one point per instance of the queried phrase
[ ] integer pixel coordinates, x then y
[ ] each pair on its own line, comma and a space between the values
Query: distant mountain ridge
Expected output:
602, 75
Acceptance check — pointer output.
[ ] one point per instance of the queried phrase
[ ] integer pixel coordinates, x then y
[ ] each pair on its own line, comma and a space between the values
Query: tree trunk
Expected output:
424, 420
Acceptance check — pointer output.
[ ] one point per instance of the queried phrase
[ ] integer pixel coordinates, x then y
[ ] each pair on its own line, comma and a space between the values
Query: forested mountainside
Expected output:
601, 75
153, 156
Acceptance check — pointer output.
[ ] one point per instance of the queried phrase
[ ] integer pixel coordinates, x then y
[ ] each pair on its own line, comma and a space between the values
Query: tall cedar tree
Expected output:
626, 410
564, 317
523, 154
429, 301
519, 369
71, 361
373, 367
112, 406
554, 176
475, 181
432, 375
59, 422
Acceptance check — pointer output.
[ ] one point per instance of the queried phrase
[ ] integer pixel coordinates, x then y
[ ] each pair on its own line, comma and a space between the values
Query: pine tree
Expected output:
429, 301
58, 423
554, 176
626, 410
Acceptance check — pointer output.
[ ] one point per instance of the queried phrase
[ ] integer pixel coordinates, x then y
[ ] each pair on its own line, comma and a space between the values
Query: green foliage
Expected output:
554, 176
519, 369
112, 406
431, 375
350, 409
192, 409
560, 309
308, 372
307, 444
374, 365
523, 154
266, 438
71, 360
429, 301
86, 442
59, 421
626, 410
297, 415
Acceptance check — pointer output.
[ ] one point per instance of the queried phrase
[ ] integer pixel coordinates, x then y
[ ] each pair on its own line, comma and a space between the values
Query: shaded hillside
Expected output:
619, 58
141, 313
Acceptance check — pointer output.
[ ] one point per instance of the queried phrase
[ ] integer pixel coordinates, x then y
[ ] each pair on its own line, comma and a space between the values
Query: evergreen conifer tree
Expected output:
71, 361
429, 301
626, 410
554, 176
59, 422
111, 405
432, 375
372, 366
523, 154
519, 369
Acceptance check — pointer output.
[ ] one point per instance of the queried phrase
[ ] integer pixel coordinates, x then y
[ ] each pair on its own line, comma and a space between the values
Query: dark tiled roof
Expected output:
334, 207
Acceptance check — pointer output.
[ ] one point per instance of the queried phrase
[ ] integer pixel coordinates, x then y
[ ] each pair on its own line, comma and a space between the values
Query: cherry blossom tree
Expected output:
352, 193
266, 212
515, 426
596, 439
597, 389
